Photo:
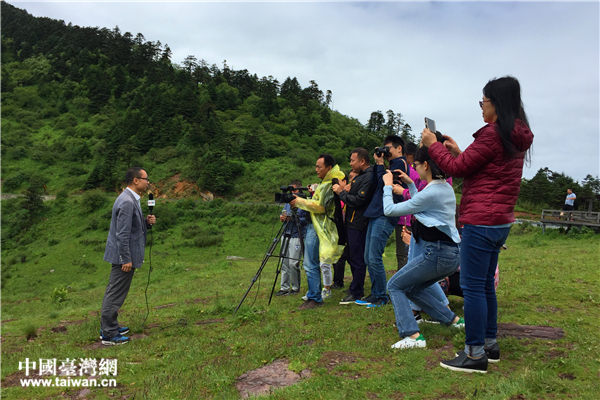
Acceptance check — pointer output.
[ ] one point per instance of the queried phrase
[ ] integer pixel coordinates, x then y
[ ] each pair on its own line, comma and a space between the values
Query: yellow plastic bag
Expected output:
322, 208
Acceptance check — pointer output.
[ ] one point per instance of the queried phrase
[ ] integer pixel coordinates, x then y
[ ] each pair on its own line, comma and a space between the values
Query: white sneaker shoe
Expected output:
408, 343
326, 293
305, 297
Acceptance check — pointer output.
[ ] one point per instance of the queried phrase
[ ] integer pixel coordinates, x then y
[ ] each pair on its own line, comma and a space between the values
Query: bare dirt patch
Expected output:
443, 353
567, 376
333, 359
265, 379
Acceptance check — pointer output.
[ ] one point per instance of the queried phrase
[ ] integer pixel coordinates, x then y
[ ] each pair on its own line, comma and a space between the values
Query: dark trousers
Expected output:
401, 248
356, 259
114, 297
339, 268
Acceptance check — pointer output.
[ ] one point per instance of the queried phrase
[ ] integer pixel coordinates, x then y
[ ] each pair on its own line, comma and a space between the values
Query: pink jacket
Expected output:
491, 181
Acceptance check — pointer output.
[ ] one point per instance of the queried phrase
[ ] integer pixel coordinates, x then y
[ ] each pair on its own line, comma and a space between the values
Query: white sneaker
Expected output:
408, 343
326, 293
305, 297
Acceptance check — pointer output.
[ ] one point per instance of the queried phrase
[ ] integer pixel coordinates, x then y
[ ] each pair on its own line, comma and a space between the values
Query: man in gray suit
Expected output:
125, 251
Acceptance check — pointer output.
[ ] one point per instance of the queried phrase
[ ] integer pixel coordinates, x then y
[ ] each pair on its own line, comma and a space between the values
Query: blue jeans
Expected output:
478, 260
378, 233
311, 264
438, 260
414, 250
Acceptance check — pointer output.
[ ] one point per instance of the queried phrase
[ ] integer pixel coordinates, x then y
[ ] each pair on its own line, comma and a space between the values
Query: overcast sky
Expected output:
422, 59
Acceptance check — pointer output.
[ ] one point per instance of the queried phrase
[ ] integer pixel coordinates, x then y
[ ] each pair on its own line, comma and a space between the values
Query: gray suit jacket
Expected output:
127, 235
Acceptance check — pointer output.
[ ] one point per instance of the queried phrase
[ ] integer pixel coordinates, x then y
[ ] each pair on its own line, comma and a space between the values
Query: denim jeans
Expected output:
478, 259
311, 264
415, 281
378, 233
414, 250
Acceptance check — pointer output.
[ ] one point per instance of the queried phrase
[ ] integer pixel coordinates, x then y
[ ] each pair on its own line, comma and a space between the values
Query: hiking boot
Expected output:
121, 331
408, 343
463, 363
365, 301
282, 293
377, 303
117, 340
325, 294
308, 304
348, 299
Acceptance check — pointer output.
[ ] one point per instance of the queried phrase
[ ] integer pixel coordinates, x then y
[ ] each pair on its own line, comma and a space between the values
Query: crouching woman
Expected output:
436, 237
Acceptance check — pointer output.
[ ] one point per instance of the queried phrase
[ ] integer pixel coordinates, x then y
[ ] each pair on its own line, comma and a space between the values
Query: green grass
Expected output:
547, 279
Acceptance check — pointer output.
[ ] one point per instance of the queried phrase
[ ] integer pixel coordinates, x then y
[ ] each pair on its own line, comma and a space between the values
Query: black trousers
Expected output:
356, 259
339, 268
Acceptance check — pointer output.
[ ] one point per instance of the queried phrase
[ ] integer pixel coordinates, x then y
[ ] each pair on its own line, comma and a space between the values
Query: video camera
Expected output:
285, 197
382, 151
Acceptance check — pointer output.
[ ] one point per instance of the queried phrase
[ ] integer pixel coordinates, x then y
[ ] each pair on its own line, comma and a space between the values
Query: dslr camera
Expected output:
286, 195
382, 151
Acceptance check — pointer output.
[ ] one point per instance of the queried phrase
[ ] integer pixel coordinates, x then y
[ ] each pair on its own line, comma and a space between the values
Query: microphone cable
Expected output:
182, 321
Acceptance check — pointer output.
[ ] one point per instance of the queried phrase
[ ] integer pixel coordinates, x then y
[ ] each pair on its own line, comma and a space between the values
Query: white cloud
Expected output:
420, 59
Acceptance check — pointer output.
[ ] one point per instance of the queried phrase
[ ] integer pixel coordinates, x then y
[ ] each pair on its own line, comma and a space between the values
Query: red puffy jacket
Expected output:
491, 181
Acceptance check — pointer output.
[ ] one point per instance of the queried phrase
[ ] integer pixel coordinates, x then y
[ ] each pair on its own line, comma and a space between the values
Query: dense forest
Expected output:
81, 104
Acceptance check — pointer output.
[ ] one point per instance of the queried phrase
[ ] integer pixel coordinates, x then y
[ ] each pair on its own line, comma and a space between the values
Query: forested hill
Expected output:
81, 104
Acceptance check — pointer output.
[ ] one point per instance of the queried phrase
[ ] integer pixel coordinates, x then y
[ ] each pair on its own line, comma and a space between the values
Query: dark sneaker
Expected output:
465, 364
377, 303
337, 286
308, 304
493, 353
117, 340
293, 292
121, 331
282, 293
365, 301
348, 299
418, 318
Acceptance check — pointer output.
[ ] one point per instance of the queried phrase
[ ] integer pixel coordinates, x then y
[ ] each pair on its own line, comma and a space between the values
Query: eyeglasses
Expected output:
147, 180
482, 101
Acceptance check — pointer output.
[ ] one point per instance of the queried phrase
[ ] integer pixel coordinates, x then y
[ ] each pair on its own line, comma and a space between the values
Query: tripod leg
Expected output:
283, 250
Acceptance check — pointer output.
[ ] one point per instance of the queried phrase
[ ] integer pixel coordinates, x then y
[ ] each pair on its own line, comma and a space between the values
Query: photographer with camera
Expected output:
381, 227
290, 266
321, 247
357, 196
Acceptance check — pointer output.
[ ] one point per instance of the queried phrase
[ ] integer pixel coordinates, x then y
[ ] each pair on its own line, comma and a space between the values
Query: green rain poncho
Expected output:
321, 208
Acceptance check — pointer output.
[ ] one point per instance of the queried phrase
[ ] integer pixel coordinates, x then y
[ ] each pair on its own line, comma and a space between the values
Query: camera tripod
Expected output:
283, 233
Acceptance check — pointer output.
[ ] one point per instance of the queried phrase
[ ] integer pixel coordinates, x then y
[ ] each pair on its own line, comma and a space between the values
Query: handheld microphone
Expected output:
151, 202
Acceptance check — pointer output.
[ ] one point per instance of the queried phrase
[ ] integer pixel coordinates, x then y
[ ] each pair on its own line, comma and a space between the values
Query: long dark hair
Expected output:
505, 95
422, 155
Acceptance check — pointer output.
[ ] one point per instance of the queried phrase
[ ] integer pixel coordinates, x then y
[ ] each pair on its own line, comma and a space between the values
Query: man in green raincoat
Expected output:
321, 248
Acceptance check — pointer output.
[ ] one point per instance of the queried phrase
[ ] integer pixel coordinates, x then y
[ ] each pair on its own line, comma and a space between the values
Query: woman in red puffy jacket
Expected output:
492, 167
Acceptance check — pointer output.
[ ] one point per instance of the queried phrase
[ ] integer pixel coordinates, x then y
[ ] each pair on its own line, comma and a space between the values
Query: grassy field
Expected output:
192, 347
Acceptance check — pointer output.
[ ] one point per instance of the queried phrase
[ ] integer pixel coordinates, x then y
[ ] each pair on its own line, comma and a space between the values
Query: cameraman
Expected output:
321, 248
357, 197
290, 266
381, 227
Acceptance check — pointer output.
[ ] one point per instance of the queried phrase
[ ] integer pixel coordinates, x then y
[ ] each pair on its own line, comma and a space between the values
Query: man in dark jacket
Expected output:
381, 227
357, 196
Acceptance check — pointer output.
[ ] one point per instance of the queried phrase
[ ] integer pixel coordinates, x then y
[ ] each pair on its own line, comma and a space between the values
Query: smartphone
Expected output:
430, 124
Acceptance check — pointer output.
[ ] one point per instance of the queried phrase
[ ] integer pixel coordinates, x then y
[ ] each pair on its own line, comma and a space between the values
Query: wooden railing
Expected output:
570, 218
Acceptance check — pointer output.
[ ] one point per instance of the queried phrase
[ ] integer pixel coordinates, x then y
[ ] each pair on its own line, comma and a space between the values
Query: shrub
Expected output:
93, 200
30, 332
59, 295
